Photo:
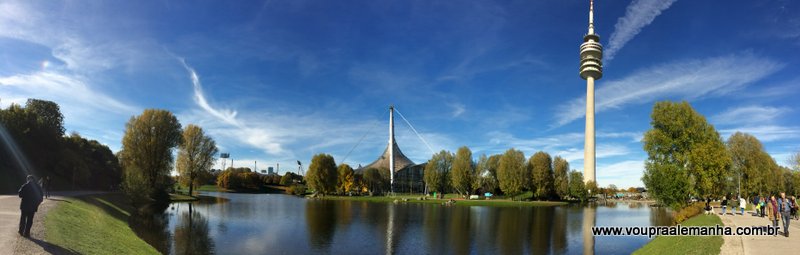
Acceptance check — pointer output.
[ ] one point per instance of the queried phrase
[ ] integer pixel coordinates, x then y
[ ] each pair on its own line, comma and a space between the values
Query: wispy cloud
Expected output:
688, 80
620, 173
639, 14
766, 133
749, 115
458, 109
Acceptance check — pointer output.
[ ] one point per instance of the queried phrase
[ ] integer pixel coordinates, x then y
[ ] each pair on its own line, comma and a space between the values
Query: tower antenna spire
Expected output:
591, 17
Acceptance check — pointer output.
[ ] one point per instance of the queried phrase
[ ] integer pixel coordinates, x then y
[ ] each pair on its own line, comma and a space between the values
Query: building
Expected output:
591, 69
407, 176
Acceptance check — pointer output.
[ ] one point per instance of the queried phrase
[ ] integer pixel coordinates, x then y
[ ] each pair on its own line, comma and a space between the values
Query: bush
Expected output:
297, 189
688, 212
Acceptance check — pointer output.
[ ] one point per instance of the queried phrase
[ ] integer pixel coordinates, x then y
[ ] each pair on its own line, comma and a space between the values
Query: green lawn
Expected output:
459, 201
95, 224
212, 188
687, 244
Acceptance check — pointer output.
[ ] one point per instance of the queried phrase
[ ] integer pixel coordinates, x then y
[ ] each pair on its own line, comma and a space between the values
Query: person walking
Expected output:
724, 204
761, 205
772, 212
31, 195
742, 204
784, 207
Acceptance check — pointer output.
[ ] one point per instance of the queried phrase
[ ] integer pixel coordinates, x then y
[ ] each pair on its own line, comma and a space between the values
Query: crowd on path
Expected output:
781, 209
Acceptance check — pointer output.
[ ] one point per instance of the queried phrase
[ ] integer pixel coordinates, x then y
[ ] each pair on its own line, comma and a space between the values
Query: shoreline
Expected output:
399, 199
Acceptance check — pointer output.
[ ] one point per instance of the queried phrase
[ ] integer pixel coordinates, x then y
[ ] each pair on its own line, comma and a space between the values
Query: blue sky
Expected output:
279, 81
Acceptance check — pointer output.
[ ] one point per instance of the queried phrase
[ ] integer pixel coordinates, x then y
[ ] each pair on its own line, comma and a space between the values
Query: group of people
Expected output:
32, 193
780, 209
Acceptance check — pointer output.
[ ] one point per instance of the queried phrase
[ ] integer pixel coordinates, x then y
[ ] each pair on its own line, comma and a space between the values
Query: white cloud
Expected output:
688, 80
458, 109
623, 174
639, 14
766, 133
749, 115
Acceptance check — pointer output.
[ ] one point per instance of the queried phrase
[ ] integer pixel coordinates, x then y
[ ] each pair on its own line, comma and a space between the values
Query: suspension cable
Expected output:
415, 131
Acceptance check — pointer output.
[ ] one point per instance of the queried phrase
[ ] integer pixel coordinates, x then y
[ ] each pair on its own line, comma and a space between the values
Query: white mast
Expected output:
391, 148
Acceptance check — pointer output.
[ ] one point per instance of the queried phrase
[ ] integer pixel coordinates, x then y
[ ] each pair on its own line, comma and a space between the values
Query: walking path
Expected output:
12, 243
759, 244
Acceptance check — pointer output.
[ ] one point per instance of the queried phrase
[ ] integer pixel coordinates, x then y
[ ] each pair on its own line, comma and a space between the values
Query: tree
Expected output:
612, 188
322, 175
512, 174
376, 180
752, 166
541, 167
577, 188
486, 173
437, 171
346, 181
146, 154
195, 156
561, 176
286, 180
463, 171
592, 188
686, 155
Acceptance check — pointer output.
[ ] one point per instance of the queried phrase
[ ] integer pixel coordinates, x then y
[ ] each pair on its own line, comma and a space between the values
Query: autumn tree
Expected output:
195, 156
437, 171
512, 174
146, 155
376, 180
463, 171
577, 188
346, 181
486, 173
753, 167
541, 167
322, 175
561, 176
686, 155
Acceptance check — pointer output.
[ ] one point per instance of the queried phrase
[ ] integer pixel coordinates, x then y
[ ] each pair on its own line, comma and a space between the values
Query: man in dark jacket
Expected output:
31, 195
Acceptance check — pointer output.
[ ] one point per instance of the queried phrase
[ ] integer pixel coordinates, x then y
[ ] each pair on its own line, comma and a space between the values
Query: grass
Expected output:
687, 244
95, 224
177, 197
210, 188
459, 200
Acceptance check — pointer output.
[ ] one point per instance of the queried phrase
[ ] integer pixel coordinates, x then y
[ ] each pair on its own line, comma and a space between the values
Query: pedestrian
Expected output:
755, 205
742, 204
31, 195
794, 207
46, 187
784, 207
772, 212
762, 204
724, 204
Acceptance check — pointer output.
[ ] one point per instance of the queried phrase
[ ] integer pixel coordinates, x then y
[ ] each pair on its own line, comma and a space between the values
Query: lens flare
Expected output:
12, 147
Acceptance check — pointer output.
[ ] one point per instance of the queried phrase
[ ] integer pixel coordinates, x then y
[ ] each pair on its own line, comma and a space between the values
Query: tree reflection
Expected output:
191, 235
321, 223
150, 224
542, 227
559, 230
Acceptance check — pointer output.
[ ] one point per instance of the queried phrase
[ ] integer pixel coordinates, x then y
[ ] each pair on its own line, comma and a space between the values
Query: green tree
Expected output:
752, 166
146, 154
486, 173
463, 171
376, 180
286, 179
592, 188
195, 156
561, 177
577, 188
541, 167
437, 171
512, 174
680, 147
322, 175
346, 181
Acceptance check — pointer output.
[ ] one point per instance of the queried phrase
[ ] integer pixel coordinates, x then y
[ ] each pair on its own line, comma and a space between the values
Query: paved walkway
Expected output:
12, 243
759, 244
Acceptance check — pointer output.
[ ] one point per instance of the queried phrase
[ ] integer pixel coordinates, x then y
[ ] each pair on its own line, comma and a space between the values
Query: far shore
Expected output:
419, 198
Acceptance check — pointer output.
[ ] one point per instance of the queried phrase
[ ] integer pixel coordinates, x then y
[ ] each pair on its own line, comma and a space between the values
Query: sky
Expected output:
279, 81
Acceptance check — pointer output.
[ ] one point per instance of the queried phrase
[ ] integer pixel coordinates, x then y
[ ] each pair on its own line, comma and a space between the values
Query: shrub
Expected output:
297, 189
688, 212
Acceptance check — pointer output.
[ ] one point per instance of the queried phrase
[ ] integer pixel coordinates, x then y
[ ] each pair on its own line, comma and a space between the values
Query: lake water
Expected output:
281, 224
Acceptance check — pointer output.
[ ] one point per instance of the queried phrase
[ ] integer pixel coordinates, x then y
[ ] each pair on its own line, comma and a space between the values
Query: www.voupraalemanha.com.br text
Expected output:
678, 230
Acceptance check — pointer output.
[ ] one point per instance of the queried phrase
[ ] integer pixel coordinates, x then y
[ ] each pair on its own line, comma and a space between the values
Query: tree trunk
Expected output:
191, 186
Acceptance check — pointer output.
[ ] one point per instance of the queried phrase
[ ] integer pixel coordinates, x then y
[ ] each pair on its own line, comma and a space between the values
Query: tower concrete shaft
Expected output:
391, 148
591, 69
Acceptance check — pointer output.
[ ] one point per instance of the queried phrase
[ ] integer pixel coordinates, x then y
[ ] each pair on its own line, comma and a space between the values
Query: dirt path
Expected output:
12, 243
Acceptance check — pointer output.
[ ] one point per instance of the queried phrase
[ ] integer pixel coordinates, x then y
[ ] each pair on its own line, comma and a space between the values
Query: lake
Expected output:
233, 223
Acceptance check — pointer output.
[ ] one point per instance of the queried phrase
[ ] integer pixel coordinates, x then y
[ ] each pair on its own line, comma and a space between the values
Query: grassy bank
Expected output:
687, 244
95, 224
210, 188
177, 197
458, 200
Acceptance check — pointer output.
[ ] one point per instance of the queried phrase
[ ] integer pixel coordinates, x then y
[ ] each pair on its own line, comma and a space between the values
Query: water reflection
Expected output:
191, 234
277, 224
